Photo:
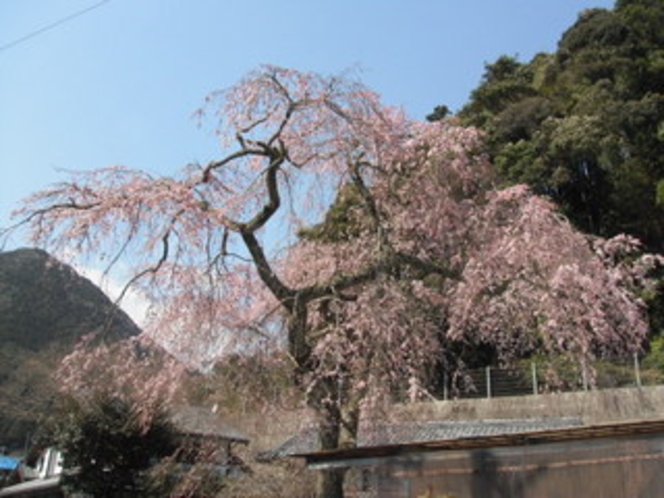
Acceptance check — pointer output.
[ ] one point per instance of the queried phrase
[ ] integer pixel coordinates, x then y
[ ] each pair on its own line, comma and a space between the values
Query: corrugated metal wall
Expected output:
622, 467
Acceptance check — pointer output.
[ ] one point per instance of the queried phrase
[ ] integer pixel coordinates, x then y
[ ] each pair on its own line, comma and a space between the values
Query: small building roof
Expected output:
395, 434
199, 421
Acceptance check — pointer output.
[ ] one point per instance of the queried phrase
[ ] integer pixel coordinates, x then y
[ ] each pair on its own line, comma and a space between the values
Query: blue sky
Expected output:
119, 84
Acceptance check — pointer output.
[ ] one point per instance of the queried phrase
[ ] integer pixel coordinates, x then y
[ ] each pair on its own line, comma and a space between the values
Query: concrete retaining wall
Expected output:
592, 406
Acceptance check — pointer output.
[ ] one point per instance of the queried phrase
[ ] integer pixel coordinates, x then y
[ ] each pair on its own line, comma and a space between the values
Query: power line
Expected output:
48, 27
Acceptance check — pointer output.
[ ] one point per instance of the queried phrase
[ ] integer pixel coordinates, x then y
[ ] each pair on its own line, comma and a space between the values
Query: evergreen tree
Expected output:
109, 445
585, 125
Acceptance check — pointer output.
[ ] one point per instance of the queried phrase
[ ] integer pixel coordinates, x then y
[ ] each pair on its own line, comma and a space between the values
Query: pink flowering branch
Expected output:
436, 260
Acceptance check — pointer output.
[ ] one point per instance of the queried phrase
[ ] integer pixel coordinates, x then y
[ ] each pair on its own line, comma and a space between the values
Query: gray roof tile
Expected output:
204, 422
421, 432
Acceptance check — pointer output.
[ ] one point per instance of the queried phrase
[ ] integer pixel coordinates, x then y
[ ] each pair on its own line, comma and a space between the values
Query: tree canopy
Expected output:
585, 125
421, 259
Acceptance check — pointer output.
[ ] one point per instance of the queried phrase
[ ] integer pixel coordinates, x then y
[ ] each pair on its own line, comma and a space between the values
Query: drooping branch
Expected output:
39, 214
152, 270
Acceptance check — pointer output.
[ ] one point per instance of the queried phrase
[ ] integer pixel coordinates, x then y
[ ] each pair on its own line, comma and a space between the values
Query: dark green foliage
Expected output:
585, 125
44, 301
108, 445
439, 112
505, 82
520, 121
595, 29
654, 360
344, 220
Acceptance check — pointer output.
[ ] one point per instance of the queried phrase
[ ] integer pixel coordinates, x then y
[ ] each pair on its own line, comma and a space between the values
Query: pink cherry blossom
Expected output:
440, 258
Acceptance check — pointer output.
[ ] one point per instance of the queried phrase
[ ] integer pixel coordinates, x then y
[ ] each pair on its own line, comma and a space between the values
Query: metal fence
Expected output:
538, 377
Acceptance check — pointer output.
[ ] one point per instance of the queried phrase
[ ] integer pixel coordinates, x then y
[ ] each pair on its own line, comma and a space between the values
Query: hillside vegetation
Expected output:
585, 125
45, 308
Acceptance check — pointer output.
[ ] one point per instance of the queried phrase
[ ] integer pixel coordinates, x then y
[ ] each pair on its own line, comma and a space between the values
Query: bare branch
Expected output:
153, 270
207, 171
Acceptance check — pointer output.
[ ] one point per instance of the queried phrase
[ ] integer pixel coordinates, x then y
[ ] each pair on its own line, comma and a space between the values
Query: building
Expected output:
204, 437
606, 443
616, 460
40, 481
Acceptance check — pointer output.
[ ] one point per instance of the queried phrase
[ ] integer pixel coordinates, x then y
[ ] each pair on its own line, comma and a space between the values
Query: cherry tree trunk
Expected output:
330, 483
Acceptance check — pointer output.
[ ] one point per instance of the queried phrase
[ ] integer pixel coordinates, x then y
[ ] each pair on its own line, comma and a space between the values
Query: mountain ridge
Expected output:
46, 307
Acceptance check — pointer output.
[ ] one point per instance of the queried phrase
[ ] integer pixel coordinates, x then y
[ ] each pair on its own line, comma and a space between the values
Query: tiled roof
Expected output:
204, 422
421, 432
304, 441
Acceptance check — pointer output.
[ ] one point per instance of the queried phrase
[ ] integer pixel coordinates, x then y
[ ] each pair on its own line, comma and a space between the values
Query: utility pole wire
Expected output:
48, 27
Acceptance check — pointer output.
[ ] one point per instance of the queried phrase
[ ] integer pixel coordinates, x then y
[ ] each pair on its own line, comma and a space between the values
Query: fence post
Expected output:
446, 392
488, 382
533, 368
584, 376
637, 370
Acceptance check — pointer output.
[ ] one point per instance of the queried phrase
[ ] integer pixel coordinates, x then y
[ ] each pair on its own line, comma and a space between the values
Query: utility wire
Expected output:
48, 27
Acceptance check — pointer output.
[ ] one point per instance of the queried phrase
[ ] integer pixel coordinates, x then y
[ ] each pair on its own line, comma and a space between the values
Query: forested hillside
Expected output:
585, 125
45, 308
